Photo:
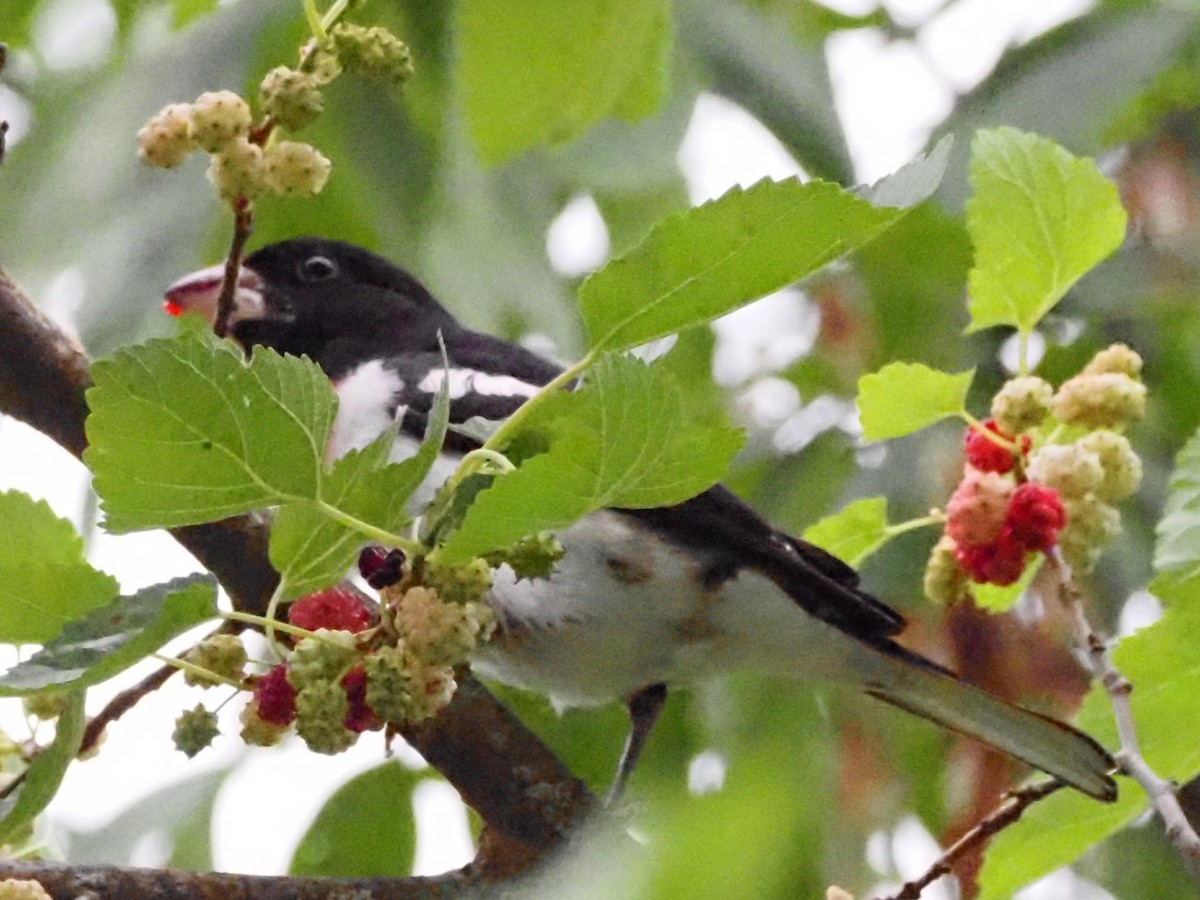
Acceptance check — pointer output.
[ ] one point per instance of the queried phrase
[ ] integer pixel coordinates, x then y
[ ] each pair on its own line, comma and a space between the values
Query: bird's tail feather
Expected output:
913, 683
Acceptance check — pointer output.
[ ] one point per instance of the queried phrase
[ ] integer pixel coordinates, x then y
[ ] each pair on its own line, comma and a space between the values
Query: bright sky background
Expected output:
890, 96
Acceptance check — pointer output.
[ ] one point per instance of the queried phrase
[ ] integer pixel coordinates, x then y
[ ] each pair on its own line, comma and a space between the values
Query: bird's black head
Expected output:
332, 301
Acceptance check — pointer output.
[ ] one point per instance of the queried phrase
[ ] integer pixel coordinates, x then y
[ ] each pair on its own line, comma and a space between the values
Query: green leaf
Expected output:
997, 599
309, 549
1161, 664
184, 431
854, 532
905, 397
703, 263
622, 440
1177, 548
45, 579
913, 183
538, 72
45, 773
184, 12
1039, 220
114, 637
365, 829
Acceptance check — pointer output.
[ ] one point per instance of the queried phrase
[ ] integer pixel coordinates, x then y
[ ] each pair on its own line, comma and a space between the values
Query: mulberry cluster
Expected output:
360, 666
245, 165
219, 123
1021, 495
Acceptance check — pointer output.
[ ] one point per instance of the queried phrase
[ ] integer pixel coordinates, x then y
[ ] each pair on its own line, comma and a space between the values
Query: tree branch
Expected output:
1011, 808
526, 796
1129, 758
64, 881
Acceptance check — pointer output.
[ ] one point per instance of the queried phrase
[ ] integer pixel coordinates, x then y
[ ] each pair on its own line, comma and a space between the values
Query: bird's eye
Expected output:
317, 268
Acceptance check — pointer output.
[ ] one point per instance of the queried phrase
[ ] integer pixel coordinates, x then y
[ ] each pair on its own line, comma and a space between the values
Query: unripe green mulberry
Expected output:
1022, 403
217, 118
461, 583
433, 690
1122, 467
195, 730
1118, 359
239, 171
374, 52
165, 140
389, 690
946, 581
530, 557
291, 97
1091, 525
321, 659
1104, 400
257, 731
1070, 469
221, 654
320, 713
293, 167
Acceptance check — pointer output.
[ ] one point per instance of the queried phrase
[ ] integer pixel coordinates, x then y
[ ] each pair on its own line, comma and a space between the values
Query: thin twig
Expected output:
121, 704
1129, 758
242, 222
1011, 808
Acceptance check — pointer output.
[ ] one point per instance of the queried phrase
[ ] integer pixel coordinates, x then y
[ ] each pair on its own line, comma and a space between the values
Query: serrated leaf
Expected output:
309, 549
578, 64
365, 829
905, 397
1177, 547
703, 263
114, 637
1039, 219
622, 440
184, 431
45, 773
854, 532
1161, 664
45, 579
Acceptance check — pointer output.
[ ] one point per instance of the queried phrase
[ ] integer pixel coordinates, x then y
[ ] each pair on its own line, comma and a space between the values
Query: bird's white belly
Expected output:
624, 610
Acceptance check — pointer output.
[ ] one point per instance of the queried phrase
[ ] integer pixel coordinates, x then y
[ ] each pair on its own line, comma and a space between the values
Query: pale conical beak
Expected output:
199, 291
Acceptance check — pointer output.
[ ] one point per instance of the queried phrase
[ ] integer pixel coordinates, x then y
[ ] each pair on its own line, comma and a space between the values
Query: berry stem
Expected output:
315, 22
979, 428
199, 671
379, 535
266, 623
937, 517
335, 13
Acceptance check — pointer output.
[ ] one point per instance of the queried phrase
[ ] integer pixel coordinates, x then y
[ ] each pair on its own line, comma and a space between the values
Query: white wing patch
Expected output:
471, 381
365, 407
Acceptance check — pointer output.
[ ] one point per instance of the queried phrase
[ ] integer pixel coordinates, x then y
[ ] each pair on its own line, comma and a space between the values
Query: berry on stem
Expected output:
1035, 516
275, 697
335, 608
217, 118
988, 455
975, 513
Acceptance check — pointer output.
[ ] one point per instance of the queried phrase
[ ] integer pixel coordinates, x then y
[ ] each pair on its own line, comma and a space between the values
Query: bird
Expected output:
642, 600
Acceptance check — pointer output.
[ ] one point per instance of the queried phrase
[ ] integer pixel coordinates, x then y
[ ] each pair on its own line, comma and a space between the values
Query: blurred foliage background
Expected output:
521, 110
